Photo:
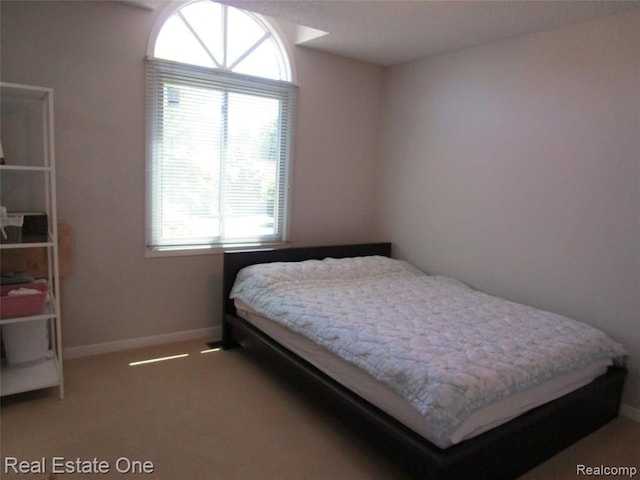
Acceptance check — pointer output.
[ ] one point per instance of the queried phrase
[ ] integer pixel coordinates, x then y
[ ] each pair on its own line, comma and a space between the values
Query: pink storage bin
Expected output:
12, 306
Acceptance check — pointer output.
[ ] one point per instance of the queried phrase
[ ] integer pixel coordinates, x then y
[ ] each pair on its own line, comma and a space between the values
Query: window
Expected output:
220, 106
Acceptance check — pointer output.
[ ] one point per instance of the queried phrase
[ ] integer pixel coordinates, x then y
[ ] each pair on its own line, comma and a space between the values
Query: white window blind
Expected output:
219, 149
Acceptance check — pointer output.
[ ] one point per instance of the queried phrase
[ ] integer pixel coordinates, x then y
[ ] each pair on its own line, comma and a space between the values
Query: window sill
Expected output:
162, 252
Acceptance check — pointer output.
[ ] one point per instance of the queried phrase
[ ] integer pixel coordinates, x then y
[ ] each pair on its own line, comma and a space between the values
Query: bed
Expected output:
500, 447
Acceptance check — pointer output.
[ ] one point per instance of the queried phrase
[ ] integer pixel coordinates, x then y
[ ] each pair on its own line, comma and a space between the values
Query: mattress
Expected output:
387, 400
450, 352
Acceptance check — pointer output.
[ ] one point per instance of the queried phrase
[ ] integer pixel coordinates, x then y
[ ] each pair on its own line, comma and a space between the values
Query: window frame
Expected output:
285, 91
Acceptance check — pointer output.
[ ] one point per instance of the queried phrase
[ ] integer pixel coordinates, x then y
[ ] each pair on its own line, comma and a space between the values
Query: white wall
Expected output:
336, 145
92, 54
515, 167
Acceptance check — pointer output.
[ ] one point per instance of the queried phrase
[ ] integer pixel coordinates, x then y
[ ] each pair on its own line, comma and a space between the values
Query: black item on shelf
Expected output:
35, 224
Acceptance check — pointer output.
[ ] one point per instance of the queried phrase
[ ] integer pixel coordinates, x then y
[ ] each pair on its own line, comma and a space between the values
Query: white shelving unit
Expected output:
28, 185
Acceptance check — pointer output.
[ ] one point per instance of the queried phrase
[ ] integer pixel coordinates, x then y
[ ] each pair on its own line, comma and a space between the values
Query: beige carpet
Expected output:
217, 416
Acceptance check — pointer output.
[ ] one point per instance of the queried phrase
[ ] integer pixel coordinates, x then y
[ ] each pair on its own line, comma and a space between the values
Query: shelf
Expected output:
32, 241
25, 168
30, 376
16, 90
48, 312
29, 185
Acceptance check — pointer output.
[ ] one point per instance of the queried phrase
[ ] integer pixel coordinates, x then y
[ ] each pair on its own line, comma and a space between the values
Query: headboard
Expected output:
238, 259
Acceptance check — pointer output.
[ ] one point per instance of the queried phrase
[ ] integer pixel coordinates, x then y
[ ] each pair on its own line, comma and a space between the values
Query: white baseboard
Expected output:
632, 413
211, 333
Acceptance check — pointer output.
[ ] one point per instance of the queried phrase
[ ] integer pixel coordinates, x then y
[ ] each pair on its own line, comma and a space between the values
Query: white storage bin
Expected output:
26, 342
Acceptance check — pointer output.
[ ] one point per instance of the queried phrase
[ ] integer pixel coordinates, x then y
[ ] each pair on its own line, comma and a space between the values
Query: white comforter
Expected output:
448, 349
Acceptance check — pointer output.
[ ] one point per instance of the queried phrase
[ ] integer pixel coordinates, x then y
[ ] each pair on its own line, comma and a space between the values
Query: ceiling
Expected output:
391, 32
396, 31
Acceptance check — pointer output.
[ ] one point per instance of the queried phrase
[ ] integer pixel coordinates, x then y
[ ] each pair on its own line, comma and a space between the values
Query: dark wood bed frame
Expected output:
505, 452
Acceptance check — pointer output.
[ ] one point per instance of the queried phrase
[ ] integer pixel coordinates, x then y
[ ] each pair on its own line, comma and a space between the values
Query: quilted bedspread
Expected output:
447, 348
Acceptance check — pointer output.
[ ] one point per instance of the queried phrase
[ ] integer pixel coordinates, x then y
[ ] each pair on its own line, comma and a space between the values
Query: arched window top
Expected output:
214, 35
